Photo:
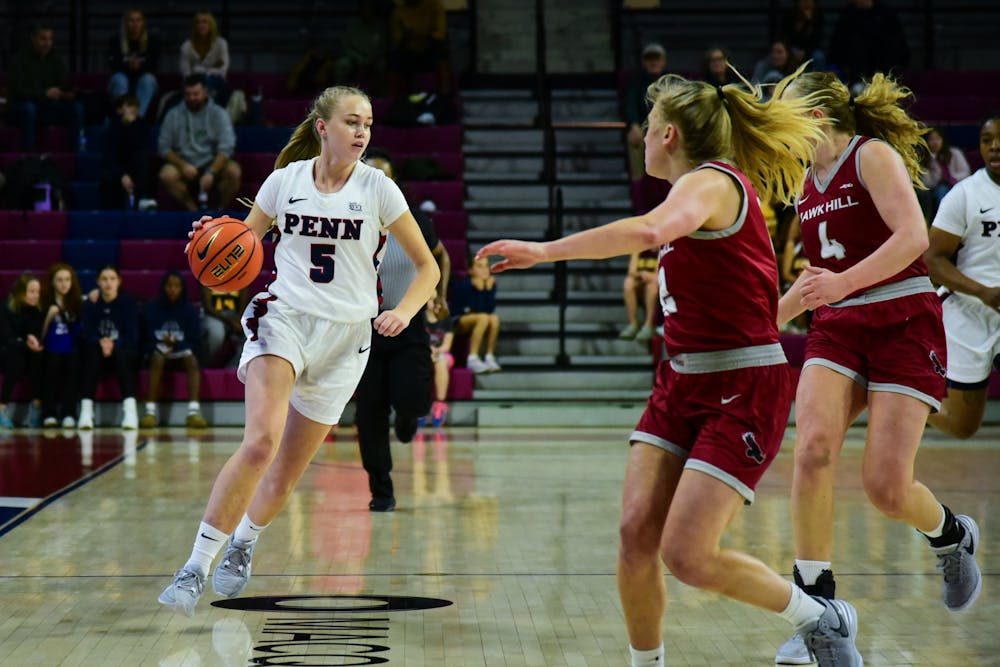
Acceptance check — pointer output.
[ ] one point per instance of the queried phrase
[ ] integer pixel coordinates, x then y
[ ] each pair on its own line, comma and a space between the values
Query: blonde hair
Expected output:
123, 31
771, 142
203, 44
875, 112
304, 142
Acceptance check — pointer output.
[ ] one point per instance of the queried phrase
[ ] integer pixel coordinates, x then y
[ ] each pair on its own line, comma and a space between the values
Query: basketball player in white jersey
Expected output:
968, 223
309, 332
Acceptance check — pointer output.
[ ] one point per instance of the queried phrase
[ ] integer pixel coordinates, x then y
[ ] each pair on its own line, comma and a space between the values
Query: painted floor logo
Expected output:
325, 628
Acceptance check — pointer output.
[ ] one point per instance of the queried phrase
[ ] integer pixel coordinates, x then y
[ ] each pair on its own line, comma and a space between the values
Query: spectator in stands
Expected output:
23, 349
777, 65
134, 60
473, 301
654, 65
63, 303
197, 141
125, 181
363, 46
943, 167
441, 331
967, 219
641, 283
206, 52
110, 340
418, 34
171, 333
802, 27
38, 88
868, 38
398, 373
715, 67
222, 334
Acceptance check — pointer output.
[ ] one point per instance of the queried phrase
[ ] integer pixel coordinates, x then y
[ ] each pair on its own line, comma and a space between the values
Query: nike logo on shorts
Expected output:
730, 399
362, 350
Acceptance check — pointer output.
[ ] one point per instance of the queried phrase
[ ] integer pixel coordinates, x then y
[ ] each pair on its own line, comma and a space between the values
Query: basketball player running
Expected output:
309, 333
876, 339
718, 410
968, 222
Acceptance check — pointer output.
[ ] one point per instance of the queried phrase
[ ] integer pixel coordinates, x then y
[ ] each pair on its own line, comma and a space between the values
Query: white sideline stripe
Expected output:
15, 501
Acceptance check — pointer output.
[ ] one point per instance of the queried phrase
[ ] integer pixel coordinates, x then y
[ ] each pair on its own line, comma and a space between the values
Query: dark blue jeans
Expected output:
29, 114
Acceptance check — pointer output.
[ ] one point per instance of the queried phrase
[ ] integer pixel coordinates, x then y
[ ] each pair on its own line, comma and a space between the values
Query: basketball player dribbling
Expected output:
719, 407
309, 332
876, 338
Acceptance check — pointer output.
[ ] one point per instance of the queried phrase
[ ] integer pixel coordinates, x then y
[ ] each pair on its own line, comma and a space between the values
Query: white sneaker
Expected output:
130, 415
147, 204
793, 652
477, 365
68, 422
86, 422
50, 422
183, 592
491, 362
233, 572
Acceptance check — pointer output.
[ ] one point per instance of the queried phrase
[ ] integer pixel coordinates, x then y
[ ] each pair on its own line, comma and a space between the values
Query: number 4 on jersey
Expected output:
829, 247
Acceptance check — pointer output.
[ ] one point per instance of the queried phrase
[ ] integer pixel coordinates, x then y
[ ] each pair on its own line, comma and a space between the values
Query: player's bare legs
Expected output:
826, 403
650, 479
268, 388
961, 412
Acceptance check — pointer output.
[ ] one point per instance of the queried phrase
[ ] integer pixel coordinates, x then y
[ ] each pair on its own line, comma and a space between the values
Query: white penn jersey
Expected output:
971, 210
328, 246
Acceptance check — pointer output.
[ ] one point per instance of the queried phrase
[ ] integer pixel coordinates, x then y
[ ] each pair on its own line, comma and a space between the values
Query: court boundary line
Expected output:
20, 518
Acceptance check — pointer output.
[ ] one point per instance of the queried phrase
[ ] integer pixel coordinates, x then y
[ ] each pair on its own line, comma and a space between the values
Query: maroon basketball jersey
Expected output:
840, 224
719, 288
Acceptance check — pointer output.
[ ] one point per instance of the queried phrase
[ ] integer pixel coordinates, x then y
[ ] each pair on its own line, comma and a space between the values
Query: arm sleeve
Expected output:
267, 196
951, 214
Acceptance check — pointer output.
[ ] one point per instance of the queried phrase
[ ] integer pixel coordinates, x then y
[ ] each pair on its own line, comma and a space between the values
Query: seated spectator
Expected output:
125, 181
171, 333
363, 47
23, 349
39, 90
868, 38
418, 43
778, 64
641, 283
802, 26
197, 141
440, 329
134, 60
944, 166
473, 301
715, 67
63, 302
110, 340
206, 52
222, 334
636, 107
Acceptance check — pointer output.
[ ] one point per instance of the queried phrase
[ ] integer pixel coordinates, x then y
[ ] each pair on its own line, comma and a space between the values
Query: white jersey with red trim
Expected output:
328, 245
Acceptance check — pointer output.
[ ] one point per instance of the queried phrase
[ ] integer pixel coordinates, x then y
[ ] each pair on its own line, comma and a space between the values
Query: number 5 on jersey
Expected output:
321, 255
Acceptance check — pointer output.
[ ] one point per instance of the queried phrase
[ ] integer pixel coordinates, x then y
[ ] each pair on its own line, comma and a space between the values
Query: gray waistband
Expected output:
729, 360
907, 287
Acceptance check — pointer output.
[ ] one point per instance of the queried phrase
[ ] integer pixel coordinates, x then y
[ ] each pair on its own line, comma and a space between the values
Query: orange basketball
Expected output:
225, 255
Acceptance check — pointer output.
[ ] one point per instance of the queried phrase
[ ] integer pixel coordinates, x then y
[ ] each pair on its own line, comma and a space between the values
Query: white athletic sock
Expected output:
939, 531
150, 408
193, 407
248, 532
810, 570
801, 609
207, 545
651, 658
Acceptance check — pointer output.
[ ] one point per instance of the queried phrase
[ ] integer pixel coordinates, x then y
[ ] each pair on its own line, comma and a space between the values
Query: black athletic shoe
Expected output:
406, 427
382, 504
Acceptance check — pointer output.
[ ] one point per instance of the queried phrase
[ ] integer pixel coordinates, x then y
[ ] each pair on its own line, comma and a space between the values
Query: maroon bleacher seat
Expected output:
152, 255
10, 138
29, 255
966, 108
256, 166
286, 111
458, 250
268, 84
42, 225
461, 384
974, 157
410, 140
446, 195
145, 285
451, 224
52, 139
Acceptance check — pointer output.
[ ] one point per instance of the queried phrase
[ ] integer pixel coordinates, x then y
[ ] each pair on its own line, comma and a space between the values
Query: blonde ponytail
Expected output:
304, 142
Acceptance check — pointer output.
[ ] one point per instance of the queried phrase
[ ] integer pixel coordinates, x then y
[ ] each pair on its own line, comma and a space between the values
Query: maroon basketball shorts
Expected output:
894, 346
727, 424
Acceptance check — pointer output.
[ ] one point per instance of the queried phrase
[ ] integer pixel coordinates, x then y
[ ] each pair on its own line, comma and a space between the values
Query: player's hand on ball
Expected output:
516, 254
195, 226
390, 323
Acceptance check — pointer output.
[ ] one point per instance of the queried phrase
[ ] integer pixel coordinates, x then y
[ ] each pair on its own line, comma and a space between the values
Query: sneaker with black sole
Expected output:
406, 427
382, 504
962, 580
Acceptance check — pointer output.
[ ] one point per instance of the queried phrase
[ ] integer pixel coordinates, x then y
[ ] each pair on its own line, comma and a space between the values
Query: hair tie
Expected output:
722, 95
850, 101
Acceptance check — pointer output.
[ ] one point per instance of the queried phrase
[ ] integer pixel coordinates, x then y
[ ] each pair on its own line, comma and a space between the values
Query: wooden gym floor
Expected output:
501, 552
